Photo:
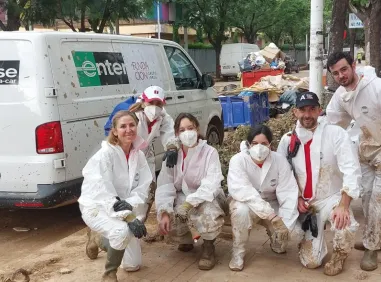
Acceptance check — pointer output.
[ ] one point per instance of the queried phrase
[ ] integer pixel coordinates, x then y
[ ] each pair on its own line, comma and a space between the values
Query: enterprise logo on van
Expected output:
100, 68
9, 72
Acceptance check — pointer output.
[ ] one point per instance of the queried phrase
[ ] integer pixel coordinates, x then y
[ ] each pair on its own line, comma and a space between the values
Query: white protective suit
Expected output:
106, 176
257, 193
163, 128
199, 184
335, 170
364, 106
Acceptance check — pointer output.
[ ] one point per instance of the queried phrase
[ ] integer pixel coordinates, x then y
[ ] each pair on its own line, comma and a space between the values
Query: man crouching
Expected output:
328, 174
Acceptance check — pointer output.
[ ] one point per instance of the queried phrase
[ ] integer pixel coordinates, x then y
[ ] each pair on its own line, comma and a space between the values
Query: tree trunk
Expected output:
117, 29
339, 15
352, 39
374, 27
13, 20
251, 37
69, 24
367, 42
83, 18
217, 49
105, 18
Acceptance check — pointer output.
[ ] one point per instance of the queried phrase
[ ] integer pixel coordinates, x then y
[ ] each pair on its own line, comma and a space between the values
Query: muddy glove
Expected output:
171, 156
183, 211
136, 226
310, 223
280, 235
121, 206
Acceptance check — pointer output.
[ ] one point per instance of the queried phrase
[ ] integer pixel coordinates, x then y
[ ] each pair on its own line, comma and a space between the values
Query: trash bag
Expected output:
245, 64
288, 97
260, 60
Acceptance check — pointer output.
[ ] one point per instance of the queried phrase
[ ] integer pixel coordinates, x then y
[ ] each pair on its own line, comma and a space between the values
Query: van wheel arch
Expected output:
215, 130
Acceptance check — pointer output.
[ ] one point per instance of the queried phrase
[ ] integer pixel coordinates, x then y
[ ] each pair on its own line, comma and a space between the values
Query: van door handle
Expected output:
180, 97
168, 98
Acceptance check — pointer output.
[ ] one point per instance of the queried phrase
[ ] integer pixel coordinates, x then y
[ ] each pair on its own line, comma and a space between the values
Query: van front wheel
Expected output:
213, 136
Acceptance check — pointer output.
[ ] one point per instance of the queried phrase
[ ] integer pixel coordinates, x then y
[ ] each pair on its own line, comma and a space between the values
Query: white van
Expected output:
233, 53
57, 91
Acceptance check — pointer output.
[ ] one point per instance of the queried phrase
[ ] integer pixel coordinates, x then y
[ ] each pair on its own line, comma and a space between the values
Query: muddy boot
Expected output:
93, 244
335, 265
369, 260
240, 237
185, 247
208, 259
114, 260
236, 263
359, 246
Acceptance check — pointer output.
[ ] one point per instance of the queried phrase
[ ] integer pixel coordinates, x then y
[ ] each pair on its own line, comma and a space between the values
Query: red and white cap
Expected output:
153, 93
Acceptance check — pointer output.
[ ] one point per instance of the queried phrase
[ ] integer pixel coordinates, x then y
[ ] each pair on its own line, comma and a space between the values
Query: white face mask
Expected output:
259, 152
152, 112
188, 138
304, 135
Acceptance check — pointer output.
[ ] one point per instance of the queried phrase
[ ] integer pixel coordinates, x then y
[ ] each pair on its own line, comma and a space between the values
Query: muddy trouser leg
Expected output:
372, 206
207, 219
241, 221
180, 233
116, 237
343, 242
313, 250
132, 258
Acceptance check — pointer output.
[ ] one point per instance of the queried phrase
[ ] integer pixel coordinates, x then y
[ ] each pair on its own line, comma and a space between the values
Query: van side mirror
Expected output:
207, 81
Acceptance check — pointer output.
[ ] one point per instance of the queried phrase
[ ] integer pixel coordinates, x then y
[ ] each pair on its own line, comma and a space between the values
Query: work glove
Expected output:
137, 228
171, 156
310, 223
183, 211
121, 205
279, 236
280, 229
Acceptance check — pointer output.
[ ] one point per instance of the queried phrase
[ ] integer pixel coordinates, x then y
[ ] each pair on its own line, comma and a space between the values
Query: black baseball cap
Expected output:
307, 99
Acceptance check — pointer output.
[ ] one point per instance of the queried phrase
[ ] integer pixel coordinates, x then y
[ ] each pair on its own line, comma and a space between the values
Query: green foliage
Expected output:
292, 21
213, 16
176, 37
199, 34
199, 45
253, 16
98, 13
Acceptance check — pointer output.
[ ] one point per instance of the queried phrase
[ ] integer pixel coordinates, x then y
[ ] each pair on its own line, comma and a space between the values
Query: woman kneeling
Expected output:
189, 199
264, 191
115, 186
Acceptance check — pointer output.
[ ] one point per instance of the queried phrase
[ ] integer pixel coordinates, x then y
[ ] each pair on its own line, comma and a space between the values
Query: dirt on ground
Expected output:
66, 261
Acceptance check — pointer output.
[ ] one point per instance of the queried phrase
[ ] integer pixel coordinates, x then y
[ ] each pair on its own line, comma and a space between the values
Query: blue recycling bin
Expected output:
241, 110
264, 106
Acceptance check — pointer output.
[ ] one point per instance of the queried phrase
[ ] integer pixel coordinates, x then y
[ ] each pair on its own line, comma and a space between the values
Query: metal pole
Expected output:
316, 47
158, 19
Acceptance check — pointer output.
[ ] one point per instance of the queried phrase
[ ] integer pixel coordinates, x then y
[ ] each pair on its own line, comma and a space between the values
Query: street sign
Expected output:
354, 21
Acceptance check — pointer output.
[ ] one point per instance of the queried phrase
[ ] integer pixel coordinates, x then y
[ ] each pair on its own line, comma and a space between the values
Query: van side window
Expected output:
184, 73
